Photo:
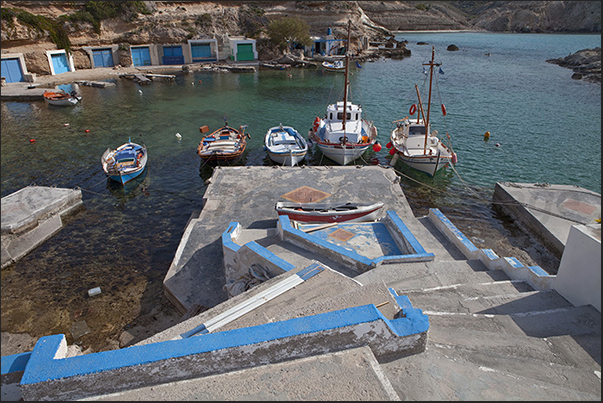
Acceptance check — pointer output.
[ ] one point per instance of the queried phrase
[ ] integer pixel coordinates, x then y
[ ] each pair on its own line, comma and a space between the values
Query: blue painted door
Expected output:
59, 63
102, 58
11, 70
141, 56
201, 51
173, 55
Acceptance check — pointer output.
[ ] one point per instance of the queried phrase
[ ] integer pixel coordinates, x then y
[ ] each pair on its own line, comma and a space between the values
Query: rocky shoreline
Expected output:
585, 63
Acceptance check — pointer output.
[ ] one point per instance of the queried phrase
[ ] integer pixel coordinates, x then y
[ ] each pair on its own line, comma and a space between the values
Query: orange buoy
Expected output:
443, 110
32, 140
413, 109
376, 147
87, 131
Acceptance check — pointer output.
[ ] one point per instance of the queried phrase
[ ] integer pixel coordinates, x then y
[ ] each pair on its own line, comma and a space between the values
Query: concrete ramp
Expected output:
32, 215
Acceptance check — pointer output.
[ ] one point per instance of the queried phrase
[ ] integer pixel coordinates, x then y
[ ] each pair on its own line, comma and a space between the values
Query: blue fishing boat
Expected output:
126, 162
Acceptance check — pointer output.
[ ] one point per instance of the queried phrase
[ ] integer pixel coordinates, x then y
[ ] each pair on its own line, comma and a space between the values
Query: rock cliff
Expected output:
176, 22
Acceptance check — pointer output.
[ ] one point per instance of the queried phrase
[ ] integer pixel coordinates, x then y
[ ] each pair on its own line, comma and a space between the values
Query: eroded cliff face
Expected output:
176, 22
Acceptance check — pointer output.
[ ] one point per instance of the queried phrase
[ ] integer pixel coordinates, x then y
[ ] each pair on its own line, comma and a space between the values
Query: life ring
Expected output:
413, 109
316, 123
443, 110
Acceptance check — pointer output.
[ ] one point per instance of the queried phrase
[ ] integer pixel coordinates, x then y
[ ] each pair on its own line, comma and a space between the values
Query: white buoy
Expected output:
94, 291
140, 92
178, 136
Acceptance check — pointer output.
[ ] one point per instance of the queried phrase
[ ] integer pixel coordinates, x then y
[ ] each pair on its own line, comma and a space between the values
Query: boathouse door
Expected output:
102, 58
141, 56
173, 55
244, 52
59, 63
11, 70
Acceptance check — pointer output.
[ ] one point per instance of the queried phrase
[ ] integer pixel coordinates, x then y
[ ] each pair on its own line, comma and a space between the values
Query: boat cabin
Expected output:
335, 112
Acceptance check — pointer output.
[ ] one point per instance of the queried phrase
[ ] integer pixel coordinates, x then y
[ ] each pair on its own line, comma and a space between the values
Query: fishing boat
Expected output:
61, 98
329, 212
126, 162
226, 144
285, 146
343, 137
412, 140
337, 66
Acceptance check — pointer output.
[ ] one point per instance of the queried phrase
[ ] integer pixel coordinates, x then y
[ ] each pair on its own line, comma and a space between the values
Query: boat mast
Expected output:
430, 64
346, 83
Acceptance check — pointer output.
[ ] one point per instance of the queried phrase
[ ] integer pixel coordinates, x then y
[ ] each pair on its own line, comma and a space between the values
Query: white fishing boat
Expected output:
285, 146
336, 66
414, 143
343, 135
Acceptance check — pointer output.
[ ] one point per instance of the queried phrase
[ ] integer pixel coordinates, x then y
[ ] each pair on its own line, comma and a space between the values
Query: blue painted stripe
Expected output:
43, 367
227, 237
455, 231
414, 243
310, 271
490, 254
539, 271
514, 262
15, 362
428, 256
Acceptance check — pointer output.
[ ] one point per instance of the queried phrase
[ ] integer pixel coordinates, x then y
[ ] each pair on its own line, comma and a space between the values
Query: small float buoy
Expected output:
66, 124
140, 92
32, 140
486, 135
200, 81
497, 144
392, 151
454, 158
389, 145
178, 136
376, 147
87, 131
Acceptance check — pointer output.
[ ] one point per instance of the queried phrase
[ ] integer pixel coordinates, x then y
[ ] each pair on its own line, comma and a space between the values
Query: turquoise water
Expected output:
547, 127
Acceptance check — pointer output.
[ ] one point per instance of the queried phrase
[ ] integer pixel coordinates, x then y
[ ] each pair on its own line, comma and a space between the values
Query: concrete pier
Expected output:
437, 319
32, 215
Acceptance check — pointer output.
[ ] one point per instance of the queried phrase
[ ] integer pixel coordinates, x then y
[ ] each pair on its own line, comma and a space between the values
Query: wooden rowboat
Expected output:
329, 212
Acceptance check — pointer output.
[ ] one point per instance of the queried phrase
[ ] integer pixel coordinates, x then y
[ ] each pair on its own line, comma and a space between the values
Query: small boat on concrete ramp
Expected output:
329, 212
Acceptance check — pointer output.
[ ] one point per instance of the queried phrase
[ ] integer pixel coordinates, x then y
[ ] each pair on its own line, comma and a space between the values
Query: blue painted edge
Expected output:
514, 262
490, 254
286, 226
266, 254
402, 258
414, 321
15, 362
227, 237
43, 367
414, 243
458, 234
539, 271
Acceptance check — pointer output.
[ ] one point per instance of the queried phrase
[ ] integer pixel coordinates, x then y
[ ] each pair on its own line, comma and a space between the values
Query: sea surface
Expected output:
544, 128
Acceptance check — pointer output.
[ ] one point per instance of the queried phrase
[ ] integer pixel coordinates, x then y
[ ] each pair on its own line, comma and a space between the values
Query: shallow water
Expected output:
547, 127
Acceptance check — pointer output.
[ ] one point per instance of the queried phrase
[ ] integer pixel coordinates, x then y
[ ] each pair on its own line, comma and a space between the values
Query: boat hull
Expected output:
343, 155
425, 163
326, 213
123, 172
